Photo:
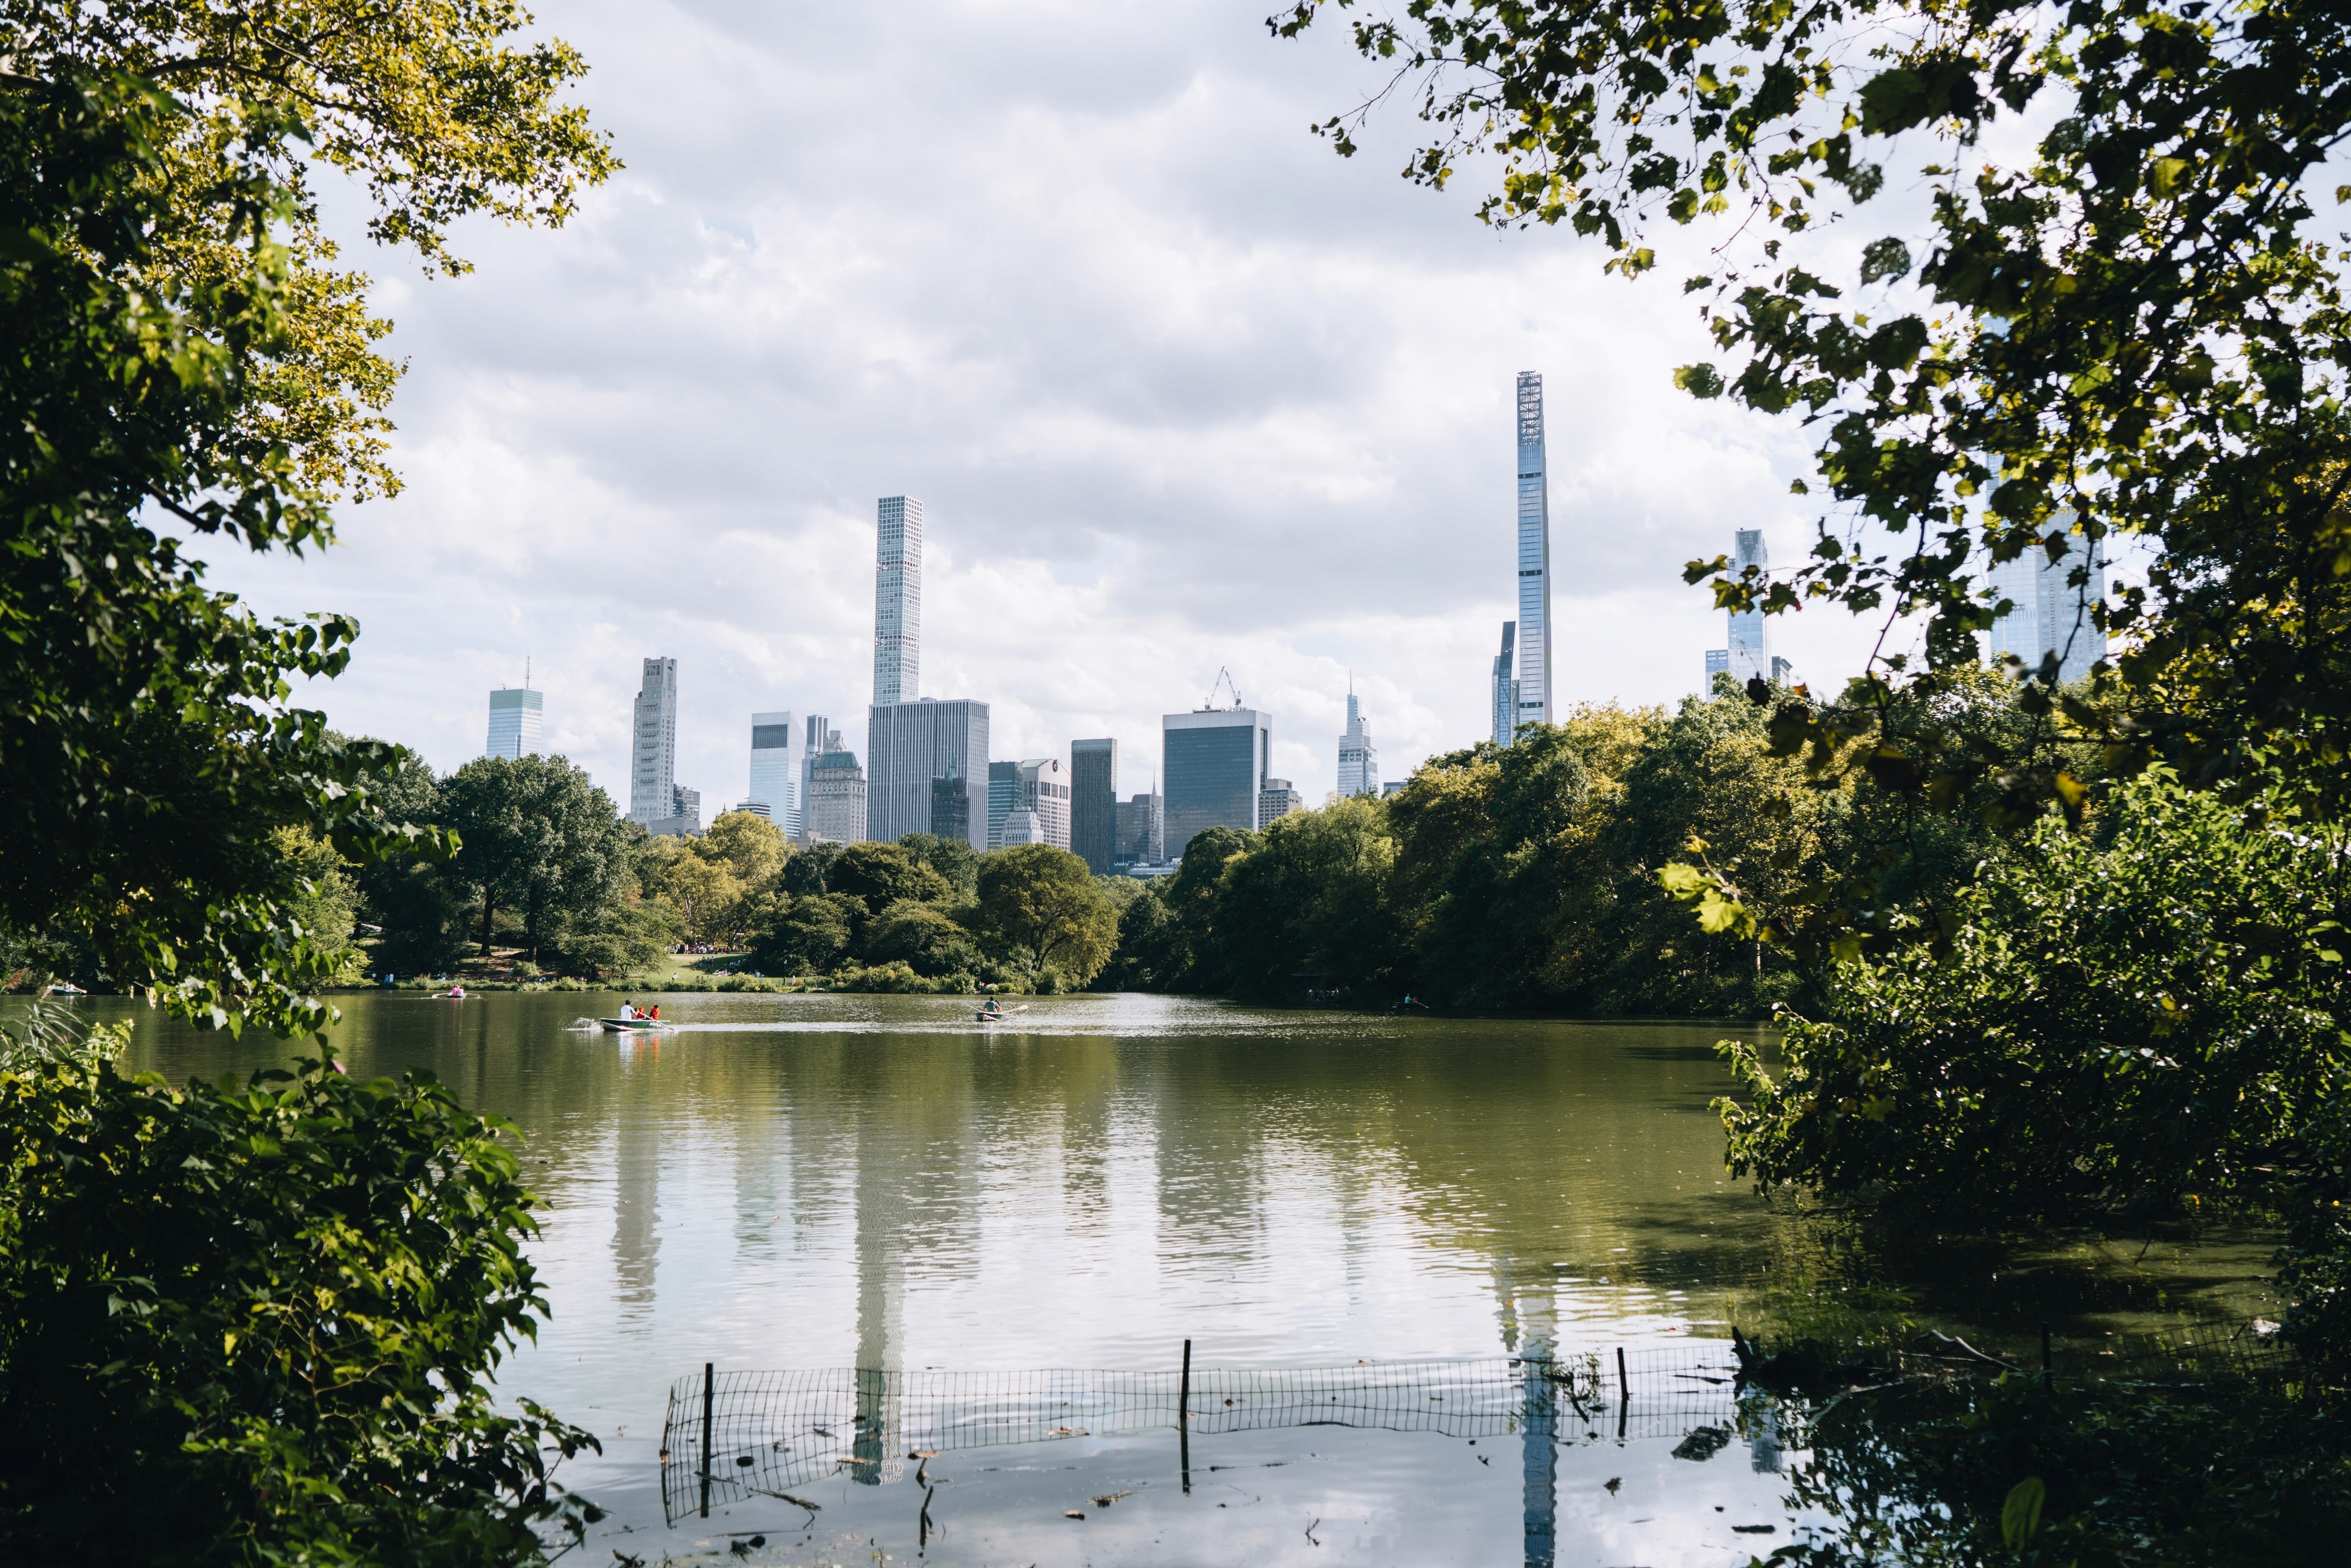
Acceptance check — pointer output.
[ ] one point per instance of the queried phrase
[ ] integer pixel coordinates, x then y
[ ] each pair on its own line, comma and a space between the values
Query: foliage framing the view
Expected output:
2128, 331
255, 1323
174, 343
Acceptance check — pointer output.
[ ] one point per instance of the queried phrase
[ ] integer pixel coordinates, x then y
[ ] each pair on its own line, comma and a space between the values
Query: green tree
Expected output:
952, 858
1039, 907
258, 1324
172, 342
536, 838
752, 849
1308, 907
922, 935
2125, 325
883, 873
702, 890
2120, 1026
811, 934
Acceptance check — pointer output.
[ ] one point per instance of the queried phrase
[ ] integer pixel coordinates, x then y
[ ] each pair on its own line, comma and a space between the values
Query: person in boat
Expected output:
627, 1011
656, 1014
457, 993
989, 1005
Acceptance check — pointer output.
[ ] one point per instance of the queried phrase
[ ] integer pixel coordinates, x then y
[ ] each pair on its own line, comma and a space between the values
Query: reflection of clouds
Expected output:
1099, 301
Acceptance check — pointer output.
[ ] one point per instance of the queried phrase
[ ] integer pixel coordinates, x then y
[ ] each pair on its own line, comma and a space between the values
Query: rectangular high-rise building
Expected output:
1359, 764
908, 746
1751, 630
898, 603
950, 810
1003, 793
1718, 662
1506, 687
1142, 836
1044, 796
2050, 615
652, 763
1213, 763
1533, 697
776, 768
515, 715
1093, 803
1277, 800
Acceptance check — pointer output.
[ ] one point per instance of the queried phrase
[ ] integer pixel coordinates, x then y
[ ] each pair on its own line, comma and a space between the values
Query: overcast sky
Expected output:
1179, 388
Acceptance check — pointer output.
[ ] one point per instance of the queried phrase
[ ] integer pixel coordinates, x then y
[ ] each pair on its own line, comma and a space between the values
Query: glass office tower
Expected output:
2051, 614
515, 715
1359, 764
776, 768
1750, 630
1093, 803
1213, 765
1534, 694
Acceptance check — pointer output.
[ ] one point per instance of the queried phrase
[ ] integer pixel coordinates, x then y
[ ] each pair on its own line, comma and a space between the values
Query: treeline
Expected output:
547, 871
1527, 878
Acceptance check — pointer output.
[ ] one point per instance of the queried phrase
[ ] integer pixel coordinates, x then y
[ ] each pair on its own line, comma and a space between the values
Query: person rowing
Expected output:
628, 1012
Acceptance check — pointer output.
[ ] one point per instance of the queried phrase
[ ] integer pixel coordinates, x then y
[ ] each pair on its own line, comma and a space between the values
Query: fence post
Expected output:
1184, 1418
706, 1381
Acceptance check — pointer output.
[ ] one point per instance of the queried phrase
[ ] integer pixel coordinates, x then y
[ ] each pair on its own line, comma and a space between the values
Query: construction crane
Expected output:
1223, 678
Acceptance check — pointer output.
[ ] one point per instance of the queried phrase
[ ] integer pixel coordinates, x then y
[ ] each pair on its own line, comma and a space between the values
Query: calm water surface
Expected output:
853, 1182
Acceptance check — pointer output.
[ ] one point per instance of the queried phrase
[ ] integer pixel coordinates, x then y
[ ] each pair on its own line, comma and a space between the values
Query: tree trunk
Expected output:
489, 910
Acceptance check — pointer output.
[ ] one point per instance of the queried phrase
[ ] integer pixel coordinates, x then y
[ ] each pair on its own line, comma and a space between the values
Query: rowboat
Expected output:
634, 1026
984, 1015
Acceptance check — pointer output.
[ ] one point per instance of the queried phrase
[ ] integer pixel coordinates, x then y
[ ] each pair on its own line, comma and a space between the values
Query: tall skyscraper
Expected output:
1215, 763
898, 601
2051, 614
1506, 687
910, 745
776, 768
653, 771
1359, 764
1750, 630
1534, 694
515, 715
1093, 803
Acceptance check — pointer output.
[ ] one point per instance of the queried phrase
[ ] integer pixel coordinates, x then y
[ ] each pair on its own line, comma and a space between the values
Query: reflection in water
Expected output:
870, 1182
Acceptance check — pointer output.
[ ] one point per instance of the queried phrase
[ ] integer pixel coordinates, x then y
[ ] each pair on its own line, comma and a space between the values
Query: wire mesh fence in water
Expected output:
764, 1433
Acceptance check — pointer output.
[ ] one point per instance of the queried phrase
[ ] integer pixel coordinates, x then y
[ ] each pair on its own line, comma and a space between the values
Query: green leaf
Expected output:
2019, 1516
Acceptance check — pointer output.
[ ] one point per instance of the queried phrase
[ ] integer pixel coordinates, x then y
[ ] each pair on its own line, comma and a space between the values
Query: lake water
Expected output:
817, 1185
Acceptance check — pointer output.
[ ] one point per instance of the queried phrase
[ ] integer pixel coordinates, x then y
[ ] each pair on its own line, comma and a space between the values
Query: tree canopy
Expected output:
180, 356
2045, 279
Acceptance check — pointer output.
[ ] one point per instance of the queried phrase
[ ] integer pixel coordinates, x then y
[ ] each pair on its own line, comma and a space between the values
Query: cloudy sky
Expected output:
1179, 388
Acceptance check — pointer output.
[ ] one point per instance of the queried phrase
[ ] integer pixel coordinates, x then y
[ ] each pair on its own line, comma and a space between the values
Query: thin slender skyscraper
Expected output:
2052, 616
898, 601
1359, 764
1534, 558
1750, 632
1506, 687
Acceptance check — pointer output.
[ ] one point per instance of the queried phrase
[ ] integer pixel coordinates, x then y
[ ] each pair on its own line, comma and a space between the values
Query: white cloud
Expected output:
1179, 387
